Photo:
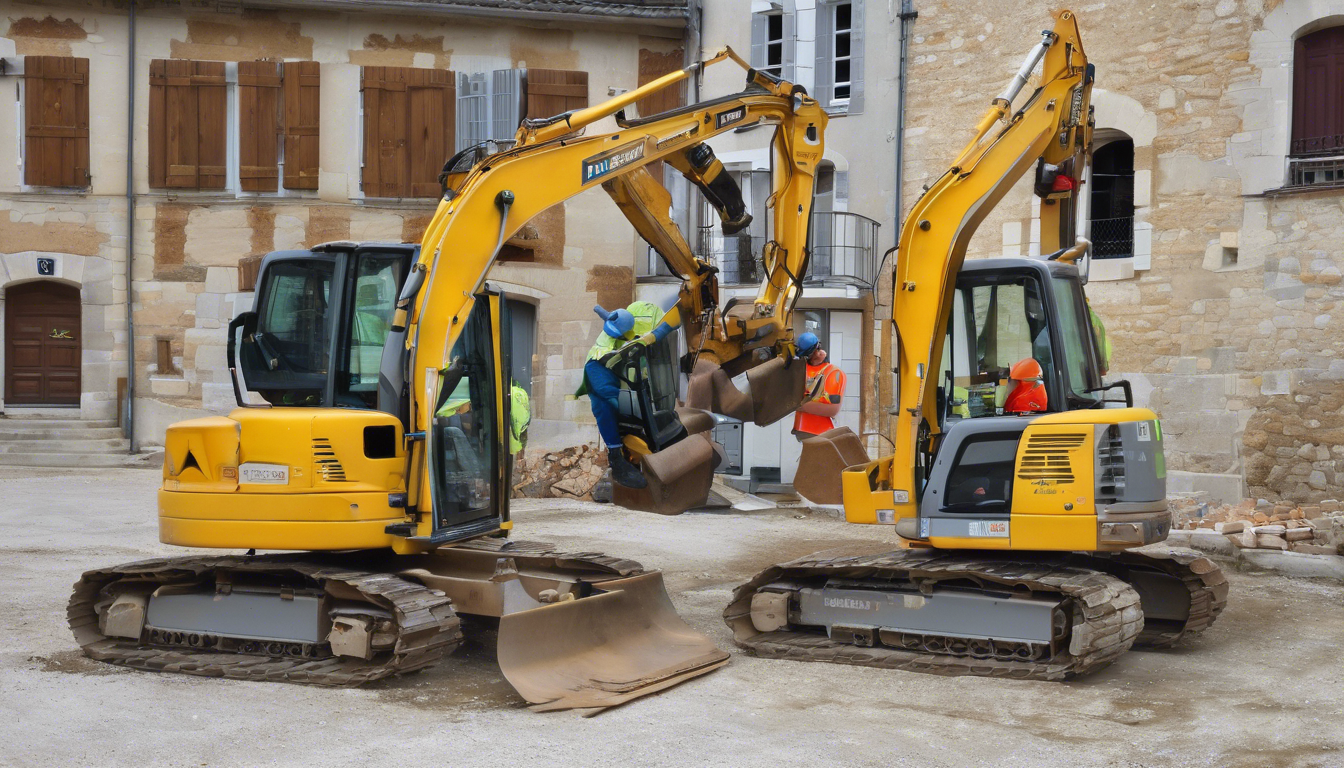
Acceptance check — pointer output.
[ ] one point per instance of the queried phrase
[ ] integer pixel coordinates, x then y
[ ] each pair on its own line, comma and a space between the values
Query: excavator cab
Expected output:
670, 443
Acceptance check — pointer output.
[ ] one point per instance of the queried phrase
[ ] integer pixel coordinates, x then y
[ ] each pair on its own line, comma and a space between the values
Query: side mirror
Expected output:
1123, 384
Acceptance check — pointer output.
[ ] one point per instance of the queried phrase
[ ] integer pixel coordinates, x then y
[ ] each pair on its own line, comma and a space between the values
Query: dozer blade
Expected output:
679, 478
822, 461
603, 650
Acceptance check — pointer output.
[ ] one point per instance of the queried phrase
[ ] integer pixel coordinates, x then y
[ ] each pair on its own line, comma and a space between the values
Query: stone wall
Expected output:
1233, 331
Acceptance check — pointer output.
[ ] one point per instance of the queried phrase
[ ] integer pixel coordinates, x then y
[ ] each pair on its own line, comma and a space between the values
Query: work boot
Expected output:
623, 472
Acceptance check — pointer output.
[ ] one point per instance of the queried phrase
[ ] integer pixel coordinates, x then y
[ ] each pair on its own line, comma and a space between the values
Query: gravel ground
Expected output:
1261, 688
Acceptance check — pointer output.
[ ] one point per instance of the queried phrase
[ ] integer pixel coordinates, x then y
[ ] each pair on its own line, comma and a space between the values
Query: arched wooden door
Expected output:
42, 344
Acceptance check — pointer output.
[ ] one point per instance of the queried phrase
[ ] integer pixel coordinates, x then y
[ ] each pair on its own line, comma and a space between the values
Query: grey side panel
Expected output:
1135, 462
945, 612
250, 615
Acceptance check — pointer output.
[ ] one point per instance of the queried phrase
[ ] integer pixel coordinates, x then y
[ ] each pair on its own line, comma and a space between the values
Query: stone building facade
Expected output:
195, 250
1225, 308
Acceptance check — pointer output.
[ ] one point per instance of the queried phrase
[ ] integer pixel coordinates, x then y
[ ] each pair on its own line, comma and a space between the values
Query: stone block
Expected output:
221, 280
1221, 488
168, 387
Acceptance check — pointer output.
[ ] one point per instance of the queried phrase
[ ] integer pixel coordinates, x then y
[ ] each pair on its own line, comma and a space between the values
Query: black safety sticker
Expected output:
734, 115
600, 165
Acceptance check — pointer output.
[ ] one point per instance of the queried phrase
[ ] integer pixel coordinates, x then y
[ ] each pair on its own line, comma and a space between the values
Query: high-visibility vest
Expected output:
520, 416
831, 381
647, 314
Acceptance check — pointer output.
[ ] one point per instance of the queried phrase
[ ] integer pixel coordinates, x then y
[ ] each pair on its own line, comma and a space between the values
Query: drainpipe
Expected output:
908, 16
130, 232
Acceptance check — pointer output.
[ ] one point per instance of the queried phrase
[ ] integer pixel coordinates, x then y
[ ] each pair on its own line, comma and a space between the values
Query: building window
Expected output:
839, 64
773, 42
224, 126
1316, 154
1112, 201
840, 59
774, 45
409, 129
55, 121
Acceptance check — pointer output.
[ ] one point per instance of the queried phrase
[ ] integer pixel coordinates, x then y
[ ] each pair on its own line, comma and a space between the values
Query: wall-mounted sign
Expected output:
46, 267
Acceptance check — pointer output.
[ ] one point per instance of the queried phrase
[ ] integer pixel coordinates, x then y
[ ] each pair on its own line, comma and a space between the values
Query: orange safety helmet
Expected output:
1028, 393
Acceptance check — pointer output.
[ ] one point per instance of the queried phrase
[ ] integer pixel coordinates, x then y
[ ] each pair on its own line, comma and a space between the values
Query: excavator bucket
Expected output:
603, 650
822, 461
775, 389
679, 478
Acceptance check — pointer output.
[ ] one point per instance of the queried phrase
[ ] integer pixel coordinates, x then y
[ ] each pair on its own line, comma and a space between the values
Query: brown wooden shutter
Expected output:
1318, 93
653, 65
552, 92
258, 126
432, 99
302, 116
56, 121
409, 129
187, 124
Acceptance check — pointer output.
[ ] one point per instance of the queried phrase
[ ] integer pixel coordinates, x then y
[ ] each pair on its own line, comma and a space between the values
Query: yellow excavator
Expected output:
377, 453
1017, 511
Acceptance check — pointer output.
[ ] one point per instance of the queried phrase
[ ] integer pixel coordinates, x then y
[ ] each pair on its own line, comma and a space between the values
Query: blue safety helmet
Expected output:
618, 321
807, 344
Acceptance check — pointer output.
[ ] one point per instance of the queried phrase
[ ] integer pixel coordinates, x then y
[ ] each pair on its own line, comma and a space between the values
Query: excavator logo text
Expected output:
734, 115
598, 166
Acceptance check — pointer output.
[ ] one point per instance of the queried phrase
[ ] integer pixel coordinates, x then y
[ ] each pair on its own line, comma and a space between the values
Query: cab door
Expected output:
467, 439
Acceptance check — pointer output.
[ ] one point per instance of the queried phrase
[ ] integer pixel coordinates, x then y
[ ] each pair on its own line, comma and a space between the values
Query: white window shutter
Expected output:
473, 110
790, 54
759, 30
824, 70
506, 103
842, 186
856, 57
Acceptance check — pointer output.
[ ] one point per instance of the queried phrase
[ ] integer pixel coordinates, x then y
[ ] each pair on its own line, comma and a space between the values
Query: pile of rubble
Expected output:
1313, 529
566, 474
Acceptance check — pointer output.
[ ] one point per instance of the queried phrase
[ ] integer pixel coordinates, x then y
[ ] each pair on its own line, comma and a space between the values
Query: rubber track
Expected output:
1202, 577
428, 628
1106, 617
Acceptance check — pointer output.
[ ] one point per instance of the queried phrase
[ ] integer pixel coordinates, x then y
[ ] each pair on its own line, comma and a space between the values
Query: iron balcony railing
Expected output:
844, 252
1113, 238
1318, 145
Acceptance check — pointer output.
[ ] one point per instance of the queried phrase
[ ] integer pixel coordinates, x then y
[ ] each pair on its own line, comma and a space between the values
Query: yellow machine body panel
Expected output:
283, 478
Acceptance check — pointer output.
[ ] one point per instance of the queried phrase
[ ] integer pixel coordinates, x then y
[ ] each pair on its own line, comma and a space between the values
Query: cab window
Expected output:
993, 326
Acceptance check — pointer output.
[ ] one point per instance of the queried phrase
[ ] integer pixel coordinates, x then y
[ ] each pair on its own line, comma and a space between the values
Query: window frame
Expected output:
833, 29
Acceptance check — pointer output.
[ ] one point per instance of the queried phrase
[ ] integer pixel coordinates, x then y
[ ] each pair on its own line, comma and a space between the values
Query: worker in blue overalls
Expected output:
644, 323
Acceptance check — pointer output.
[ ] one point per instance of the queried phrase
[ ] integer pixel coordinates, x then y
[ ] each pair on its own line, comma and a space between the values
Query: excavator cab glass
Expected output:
1002, 316
463, 447
287, 357
322, 318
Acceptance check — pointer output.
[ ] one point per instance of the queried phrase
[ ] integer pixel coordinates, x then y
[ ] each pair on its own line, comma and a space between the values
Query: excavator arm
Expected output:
1053, 127
550, 164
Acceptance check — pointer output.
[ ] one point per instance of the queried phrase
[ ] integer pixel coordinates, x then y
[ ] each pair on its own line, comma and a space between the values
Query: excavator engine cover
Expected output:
679, 478
822, 461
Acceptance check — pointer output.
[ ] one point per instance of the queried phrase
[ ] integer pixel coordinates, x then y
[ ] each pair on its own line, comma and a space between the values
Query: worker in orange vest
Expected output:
825, 386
